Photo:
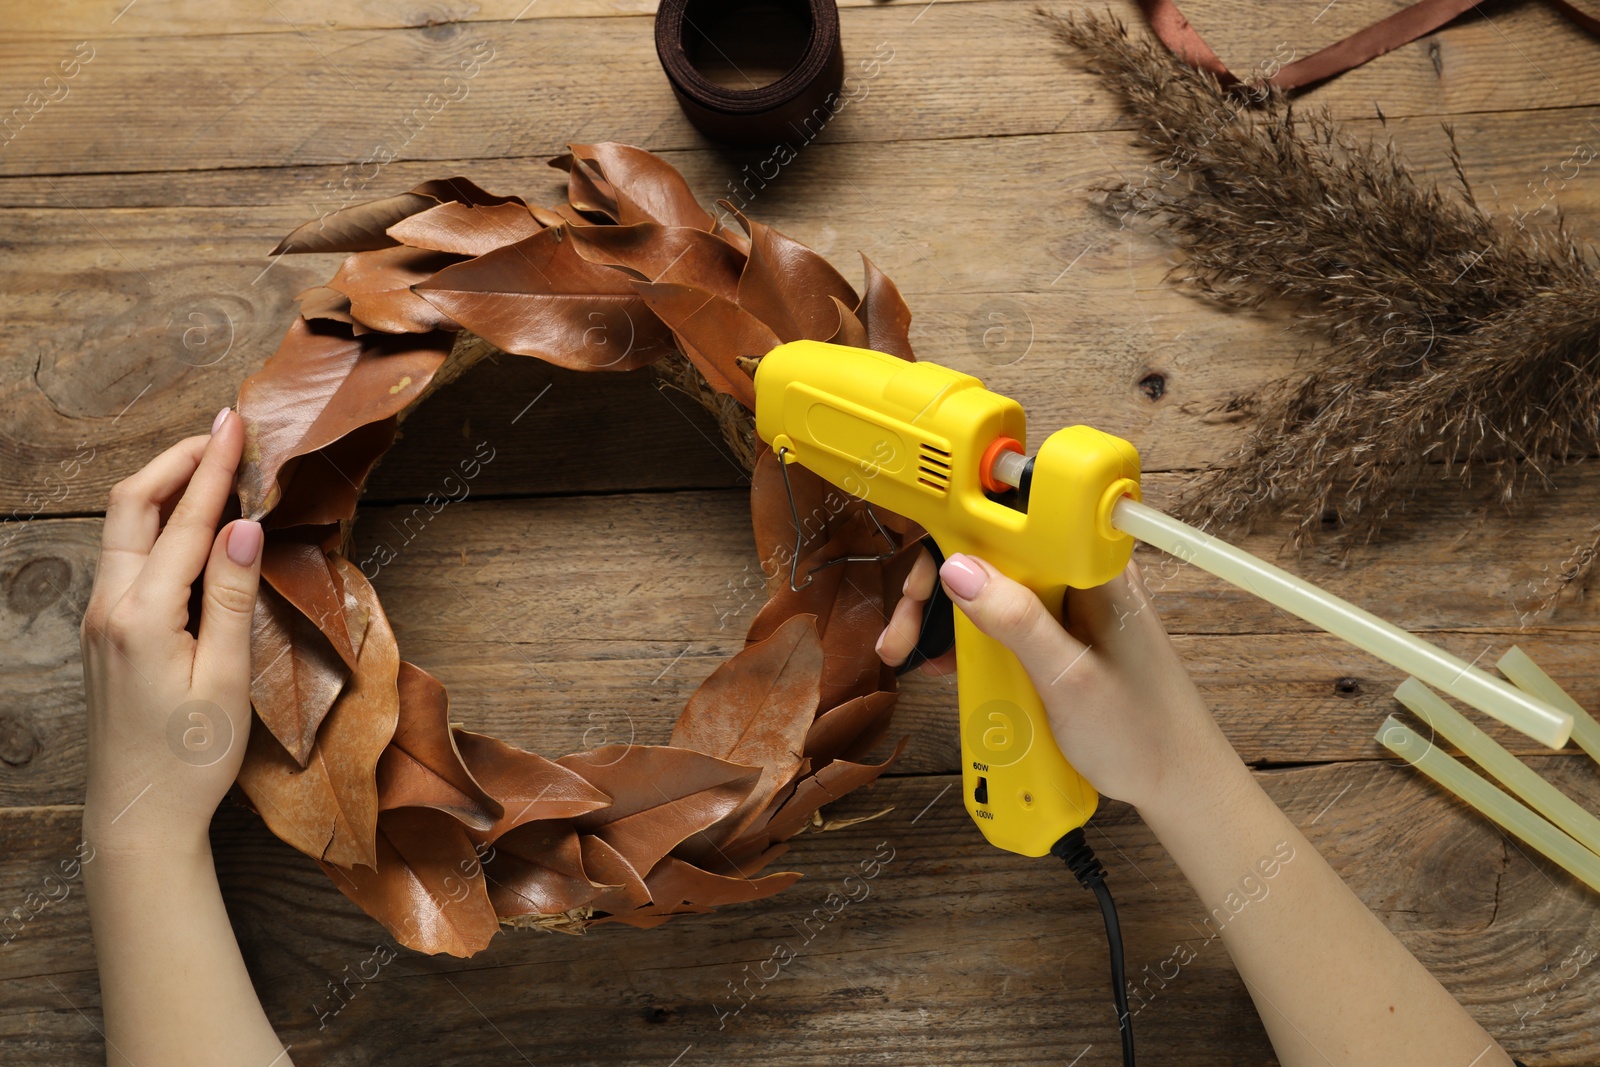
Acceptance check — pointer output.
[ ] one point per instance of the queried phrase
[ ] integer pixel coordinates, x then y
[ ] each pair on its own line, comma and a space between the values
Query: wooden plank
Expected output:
121, 367
138, 323
172, 18
570, 622
1504, 152
315, 95
956, 953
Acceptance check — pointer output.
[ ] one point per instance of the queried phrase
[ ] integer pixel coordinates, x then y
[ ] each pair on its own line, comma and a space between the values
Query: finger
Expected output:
1137, 576
1114, 613
222, 652
1012, 614
133, 516
899, 637
919, 583
940, 666
180, 552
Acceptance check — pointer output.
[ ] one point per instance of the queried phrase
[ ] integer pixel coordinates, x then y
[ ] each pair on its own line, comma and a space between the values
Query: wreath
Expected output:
443, 834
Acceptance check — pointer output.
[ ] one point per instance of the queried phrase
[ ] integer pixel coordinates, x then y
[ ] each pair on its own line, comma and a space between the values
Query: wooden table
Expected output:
602, 564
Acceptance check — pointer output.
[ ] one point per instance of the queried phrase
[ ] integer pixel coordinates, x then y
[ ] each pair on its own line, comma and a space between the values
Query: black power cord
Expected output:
1081, 861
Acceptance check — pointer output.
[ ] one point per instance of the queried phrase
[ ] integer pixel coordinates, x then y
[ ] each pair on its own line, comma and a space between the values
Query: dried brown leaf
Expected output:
847, 599
466, 229
539, 297
755, 710
884, 312
322, 487
656, 253
354, 229
678, 887
422, 767
787, 286
625, 888
302, 573
537, 869
527, 786
427, 888
329, 808
321, 302
646, 187
851, 729
659, 796
713, 332
296, 673
849, 332
316, 388
362, 227
587, 192
379, 284
826, 786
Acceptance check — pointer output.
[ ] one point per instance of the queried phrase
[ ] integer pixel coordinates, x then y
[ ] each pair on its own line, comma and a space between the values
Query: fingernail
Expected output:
244, 542
216, 423
878, 648
965, 578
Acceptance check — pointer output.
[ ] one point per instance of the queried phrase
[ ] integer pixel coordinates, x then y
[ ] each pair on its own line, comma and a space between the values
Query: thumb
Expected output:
1012, 614
233, 574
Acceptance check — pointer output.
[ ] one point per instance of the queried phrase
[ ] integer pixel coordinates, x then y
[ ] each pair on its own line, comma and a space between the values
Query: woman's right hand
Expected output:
1122, 708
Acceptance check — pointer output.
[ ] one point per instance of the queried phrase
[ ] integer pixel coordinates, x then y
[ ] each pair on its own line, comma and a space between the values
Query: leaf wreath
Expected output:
443, 834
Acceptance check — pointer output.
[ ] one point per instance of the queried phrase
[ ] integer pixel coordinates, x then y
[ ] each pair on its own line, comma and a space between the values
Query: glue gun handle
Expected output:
1018, 787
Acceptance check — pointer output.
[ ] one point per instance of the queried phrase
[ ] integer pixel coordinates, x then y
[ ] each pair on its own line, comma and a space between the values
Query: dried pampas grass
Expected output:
1455, 343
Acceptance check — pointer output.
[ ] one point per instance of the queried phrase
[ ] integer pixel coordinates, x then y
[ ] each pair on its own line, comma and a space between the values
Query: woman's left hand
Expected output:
169, 713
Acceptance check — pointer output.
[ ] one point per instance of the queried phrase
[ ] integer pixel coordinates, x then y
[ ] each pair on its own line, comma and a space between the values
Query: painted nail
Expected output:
964, 577
222, 416
244, 542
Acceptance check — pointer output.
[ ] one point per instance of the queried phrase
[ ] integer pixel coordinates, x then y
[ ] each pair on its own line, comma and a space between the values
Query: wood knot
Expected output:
1154, 385
19, 741
1347, 687
37, 584
438, 27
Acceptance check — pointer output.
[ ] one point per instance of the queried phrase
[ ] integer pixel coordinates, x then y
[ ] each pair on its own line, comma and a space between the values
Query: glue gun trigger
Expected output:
938, 633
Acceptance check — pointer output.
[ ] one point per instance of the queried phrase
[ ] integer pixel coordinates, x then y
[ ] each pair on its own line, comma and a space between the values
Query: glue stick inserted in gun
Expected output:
933, 445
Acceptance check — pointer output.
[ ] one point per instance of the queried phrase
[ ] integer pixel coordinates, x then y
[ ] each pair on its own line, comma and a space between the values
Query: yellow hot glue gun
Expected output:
932, 444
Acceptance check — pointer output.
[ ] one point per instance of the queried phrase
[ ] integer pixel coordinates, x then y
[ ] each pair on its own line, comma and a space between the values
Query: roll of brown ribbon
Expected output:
801, 37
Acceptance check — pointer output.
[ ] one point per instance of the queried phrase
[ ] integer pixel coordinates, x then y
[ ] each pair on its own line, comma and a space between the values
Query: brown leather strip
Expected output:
795, 106
1386, 35
1578, 15
1176, 33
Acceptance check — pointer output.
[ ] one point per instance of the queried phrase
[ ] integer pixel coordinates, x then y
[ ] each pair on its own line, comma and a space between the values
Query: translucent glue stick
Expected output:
1509, 771
1506, 811
1473, 687
1527, 675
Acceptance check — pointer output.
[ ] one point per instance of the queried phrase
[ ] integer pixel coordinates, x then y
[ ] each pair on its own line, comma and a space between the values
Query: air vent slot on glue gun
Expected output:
933, 445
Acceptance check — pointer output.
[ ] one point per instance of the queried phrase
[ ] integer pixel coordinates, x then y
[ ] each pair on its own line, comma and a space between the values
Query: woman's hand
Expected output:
169, 718
1324, 972
1122, 708
169, 713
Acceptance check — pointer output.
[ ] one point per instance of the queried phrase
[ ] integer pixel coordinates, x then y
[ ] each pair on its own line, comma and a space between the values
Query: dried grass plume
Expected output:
1453, 342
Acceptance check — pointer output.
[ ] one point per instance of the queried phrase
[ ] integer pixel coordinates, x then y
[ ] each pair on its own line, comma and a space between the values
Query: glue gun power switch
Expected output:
933, 445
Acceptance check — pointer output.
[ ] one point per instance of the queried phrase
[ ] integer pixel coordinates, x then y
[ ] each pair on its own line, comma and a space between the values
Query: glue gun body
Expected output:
932, 444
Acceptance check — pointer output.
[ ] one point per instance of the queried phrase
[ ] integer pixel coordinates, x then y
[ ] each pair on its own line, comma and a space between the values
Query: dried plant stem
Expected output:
1451, 343
737, 424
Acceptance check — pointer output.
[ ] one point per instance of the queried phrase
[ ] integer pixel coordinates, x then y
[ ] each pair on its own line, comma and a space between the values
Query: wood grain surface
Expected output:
601, 566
